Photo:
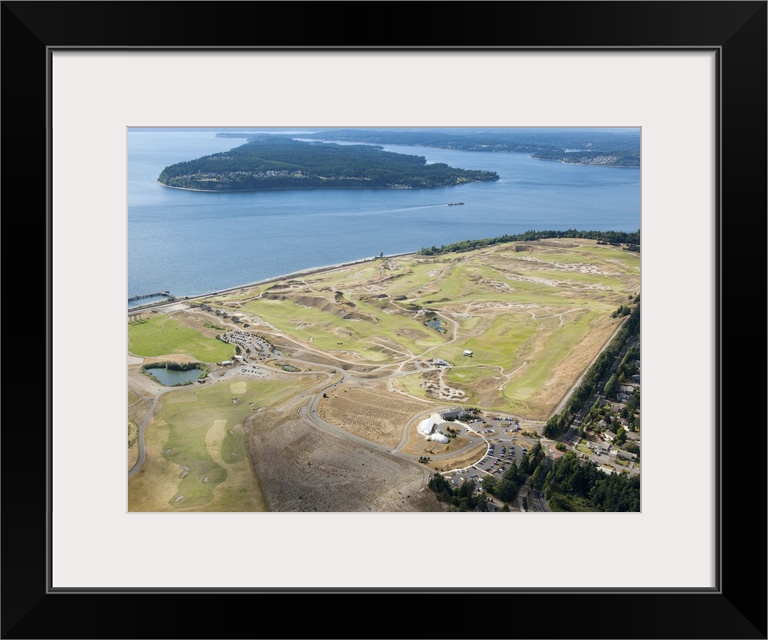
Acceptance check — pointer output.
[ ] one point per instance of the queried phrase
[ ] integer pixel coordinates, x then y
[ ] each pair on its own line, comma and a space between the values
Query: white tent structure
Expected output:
427, 428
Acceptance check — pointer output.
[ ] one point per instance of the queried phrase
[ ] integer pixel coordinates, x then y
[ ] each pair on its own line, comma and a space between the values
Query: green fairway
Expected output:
162, 335
332, 333
466, 285
465, 374
579, 278
206, 437
412, 384
498, 345
606, 252
557, 345
343, 277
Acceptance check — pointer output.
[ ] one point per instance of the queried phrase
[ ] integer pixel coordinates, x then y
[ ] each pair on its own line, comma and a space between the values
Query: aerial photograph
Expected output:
383, 319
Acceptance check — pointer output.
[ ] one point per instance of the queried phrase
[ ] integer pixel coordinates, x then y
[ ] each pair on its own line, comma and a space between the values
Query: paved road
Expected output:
143, 427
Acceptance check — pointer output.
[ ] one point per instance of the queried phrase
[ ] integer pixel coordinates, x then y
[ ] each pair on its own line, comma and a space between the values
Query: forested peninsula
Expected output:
279, 162
610, 148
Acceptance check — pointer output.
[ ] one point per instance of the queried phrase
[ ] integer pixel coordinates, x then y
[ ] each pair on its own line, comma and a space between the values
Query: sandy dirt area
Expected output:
303, 468
370, 410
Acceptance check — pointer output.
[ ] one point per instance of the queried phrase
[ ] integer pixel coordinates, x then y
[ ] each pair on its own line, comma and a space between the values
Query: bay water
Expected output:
193, 243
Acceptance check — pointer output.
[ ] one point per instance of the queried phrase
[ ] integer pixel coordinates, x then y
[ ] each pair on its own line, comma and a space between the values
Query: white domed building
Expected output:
428, 428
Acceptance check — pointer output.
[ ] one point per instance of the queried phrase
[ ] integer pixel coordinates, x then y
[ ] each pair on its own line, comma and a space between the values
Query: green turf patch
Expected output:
333, 333
232, 448
205, 436
162, 335
412, 385
558, 344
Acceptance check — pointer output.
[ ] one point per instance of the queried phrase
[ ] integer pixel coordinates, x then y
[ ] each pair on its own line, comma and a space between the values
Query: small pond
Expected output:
171, 377
437, 324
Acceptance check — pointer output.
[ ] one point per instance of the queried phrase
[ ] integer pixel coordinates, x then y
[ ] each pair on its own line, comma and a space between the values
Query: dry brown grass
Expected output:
133, 444
304, 468
452, 454
153, 487
370, 411
461, 461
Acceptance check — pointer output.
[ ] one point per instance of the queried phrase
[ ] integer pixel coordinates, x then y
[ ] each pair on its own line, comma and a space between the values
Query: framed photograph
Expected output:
94, 90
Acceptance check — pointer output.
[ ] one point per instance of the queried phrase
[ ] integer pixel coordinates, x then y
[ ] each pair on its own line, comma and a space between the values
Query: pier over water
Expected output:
159, 294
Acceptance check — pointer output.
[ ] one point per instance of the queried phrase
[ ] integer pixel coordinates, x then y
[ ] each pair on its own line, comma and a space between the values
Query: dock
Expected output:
149, 295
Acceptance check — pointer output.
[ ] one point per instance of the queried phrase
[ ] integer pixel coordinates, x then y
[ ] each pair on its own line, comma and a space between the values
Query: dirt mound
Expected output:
328, 306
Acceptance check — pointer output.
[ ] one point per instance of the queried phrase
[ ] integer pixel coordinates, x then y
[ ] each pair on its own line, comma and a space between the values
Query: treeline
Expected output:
464, 498
602, 237
600, 491
506, 488
277, 162
624, 372
513, 479
630, 329
174, 366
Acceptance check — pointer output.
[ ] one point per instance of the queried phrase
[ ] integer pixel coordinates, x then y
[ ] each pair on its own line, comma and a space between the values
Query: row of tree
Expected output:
506, 488
606, 237
597, 372
463, 498
604, 492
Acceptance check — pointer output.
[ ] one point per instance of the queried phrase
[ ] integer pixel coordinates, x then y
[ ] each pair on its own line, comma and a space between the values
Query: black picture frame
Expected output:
735, 609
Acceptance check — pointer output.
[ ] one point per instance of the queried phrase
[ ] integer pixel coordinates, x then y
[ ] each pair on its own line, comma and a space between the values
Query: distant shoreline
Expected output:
445, 186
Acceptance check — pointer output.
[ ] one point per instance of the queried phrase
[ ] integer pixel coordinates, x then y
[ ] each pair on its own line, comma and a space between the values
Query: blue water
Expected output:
191, 243
437, 324
170, 377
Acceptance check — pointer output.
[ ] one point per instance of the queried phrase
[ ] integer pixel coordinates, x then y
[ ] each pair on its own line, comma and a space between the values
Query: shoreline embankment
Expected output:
293, 274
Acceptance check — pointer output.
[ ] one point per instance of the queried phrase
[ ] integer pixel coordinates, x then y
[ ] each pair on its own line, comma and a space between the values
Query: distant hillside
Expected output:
614, 148
277, 162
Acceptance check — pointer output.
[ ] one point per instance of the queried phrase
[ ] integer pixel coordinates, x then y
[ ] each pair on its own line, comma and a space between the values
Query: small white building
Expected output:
439, 437
428, 428
467, 352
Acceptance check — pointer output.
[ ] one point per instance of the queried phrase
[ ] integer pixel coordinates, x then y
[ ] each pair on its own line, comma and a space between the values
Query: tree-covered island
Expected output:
279, 162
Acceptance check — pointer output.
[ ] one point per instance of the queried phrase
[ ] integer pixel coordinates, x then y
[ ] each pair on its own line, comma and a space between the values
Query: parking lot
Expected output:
503, 448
